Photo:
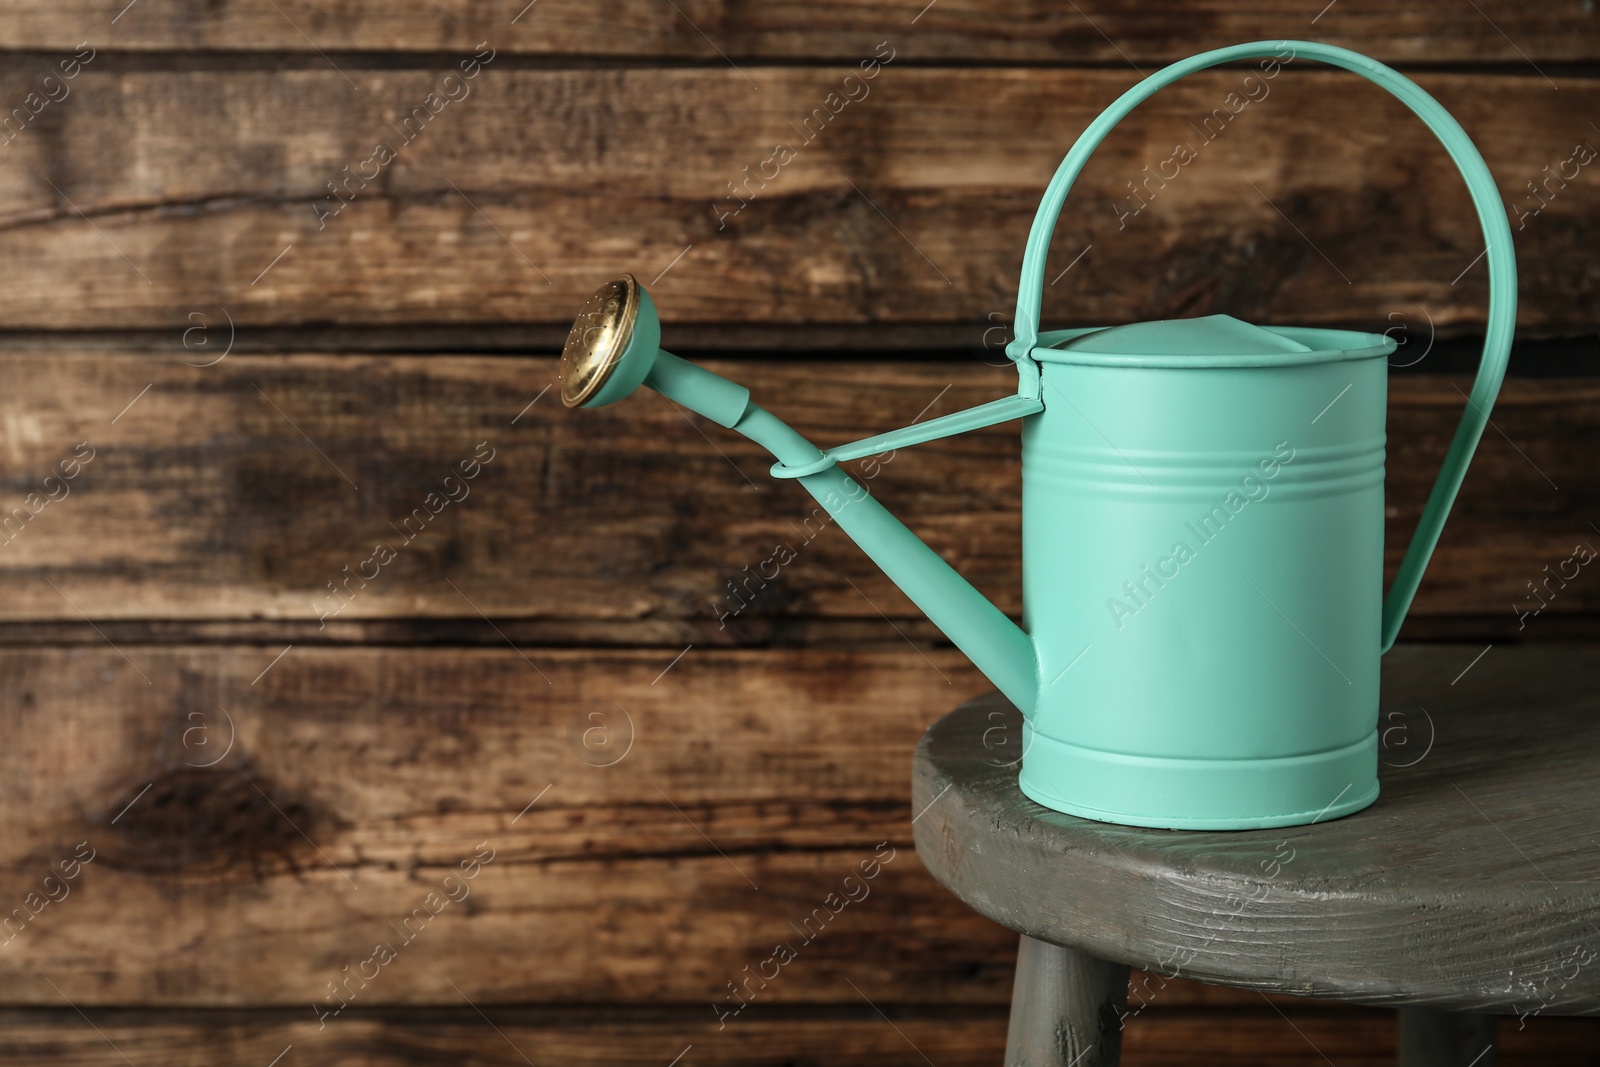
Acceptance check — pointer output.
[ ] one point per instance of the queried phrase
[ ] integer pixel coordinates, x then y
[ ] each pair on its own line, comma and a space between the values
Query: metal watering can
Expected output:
1202, 539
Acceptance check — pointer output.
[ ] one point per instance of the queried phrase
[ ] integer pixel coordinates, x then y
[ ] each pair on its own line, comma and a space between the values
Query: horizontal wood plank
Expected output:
1301, 1037
256, 823
643, 833
146, 197
244, 491
505, 1037
1428, 30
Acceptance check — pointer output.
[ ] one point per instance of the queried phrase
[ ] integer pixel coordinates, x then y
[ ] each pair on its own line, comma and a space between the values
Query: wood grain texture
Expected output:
1468, 885
359, 779
1430, 30
624, 883
854, 1036
396, 763
1066, 1008
851, 1036
169, 201
241, 491
146, 196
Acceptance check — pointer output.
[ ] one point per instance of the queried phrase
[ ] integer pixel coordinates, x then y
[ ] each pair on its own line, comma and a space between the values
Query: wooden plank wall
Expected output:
259, 306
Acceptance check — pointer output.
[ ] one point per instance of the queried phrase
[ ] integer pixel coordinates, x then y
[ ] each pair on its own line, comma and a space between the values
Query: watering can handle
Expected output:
1497, 242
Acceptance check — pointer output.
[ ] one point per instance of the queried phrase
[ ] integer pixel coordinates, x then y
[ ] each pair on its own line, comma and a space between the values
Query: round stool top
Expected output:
1473, 883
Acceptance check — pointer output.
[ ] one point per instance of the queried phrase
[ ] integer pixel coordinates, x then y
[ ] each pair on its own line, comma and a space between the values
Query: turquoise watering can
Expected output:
1202, 524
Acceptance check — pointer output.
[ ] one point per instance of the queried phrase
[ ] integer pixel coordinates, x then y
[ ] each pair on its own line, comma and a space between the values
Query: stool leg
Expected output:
1430, 1038
1066, 1008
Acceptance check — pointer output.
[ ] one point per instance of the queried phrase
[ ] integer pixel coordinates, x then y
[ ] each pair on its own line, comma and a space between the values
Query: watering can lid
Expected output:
1213, 341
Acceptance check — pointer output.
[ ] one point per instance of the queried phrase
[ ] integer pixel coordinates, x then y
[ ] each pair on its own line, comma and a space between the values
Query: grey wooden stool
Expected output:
1471, 888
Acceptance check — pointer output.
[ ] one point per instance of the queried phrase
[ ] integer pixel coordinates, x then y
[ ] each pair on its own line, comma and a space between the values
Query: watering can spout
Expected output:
614, 348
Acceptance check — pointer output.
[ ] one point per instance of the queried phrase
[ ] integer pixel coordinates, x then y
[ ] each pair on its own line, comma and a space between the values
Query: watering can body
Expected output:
1202, 545
1203, 505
